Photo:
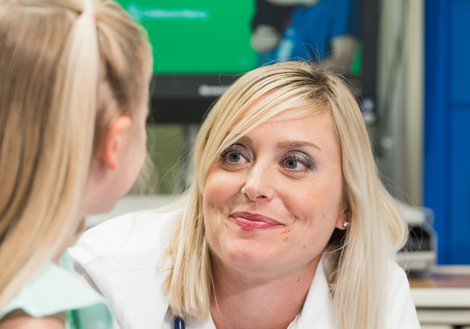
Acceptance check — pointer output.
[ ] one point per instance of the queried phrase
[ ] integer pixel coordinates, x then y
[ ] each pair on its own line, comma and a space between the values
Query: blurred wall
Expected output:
400, 97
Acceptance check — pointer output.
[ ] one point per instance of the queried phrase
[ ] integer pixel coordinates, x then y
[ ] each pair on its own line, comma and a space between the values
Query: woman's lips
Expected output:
250, 222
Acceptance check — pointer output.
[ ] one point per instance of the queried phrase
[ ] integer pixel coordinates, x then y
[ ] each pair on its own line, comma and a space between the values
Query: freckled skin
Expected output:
307, 202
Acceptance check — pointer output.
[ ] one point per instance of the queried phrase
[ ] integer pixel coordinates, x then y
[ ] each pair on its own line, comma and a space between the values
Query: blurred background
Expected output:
406, 61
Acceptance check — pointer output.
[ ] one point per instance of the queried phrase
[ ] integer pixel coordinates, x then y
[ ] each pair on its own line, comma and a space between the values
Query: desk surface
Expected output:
442, 290
440, 280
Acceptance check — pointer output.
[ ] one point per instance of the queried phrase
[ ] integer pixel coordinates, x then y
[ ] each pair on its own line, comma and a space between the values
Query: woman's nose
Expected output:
259, 183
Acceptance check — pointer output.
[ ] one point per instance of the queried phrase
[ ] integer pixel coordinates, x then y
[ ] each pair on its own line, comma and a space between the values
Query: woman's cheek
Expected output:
221, 187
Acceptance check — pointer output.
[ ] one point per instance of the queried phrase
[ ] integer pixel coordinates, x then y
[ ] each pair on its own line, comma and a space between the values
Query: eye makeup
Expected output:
298, 156
235, 155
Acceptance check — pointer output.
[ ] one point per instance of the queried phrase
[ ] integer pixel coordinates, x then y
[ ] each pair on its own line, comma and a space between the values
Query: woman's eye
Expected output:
234, 157
293, 164
298, 163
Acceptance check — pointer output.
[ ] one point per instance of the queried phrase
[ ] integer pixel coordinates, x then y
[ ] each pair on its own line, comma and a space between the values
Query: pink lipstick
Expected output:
250, 222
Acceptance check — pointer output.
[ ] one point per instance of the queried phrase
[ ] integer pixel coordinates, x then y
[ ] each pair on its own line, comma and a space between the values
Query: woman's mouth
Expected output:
250, 222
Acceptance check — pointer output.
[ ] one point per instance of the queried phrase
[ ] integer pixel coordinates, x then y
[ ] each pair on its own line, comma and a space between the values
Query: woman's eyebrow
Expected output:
294, 144
246, 139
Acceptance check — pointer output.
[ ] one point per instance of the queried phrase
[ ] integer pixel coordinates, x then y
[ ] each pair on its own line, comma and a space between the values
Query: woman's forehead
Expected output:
298, 113
288, 120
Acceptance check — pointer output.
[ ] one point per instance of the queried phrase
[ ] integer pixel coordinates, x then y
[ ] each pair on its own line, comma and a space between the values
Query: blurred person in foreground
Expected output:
73, 107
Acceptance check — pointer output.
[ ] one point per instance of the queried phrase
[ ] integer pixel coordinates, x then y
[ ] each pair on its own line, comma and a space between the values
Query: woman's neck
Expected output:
258, 301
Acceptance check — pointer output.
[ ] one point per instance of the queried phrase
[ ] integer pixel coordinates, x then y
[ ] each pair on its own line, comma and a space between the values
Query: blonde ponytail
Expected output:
50, 59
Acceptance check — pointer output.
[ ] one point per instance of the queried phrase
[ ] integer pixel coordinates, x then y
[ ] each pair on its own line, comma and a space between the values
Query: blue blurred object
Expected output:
447, 126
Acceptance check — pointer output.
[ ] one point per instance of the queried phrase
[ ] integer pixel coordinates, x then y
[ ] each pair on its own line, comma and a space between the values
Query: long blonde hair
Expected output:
54, 56
355, 261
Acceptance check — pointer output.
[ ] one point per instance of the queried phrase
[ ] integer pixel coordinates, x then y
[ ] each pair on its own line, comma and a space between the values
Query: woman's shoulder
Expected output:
128, 233
396, 273
400, 306
398, 281
120, 260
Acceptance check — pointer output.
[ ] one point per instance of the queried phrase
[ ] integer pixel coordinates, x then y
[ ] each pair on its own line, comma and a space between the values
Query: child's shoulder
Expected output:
20, 319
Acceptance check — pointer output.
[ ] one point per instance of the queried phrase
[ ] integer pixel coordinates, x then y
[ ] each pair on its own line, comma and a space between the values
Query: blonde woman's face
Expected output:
273, 199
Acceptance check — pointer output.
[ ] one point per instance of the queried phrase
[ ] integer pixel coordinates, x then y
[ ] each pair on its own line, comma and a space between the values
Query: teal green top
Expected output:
55, 289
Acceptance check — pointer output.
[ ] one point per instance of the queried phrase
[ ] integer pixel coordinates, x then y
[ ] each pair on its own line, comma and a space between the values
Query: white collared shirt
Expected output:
119, 259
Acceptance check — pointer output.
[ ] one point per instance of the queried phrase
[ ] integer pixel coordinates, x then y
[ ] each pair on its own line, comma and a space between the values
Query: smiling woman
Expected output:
286, 224
273, 199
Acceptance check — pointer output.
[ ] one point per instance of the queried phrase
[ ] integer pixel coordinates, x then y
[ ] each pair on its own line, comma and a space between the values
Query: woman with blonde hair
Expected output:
73, 106
286, 224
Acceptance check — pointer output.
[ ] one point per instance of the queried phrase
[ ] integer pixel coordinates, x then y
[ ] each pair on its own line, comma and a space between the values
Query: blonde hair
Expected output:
356, 261
55, 55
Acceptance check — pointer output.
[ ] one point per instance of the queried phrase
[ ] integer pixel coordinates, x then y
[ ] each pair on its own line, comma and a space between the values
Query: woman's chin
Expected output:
250, 256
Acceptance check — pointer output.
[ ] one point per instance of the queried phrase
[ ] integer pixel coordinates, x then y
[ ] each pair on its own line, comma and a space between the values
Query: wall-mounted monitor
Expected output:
201, 46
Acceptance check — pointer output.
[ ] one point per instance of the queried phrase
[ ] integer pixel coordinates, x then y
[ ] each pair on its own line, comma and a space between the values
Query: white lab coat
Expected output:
120, 259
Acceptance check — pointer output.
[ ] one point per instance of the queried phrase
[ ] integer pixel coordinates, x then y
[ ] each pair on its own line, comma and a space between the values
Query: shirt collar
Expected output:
316, 311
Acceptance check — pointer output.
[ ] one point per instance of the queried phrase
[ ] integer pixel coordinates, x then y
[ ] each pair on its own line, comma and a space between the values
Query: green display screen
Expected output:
197, 37
203, 37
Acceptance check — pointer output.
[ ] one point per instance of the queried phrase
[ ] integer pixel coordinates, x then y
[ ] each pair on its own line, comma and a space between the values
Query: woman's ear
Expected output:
345, 217
113, 142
